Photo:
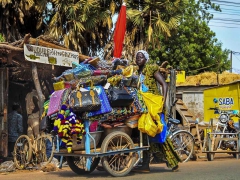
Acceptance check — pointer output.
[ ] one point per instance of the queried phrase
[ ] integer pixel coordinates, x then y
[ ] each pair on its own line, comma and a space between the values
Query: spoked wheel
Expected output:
22, 153
44, 150
183, 143
119, 164
78, 164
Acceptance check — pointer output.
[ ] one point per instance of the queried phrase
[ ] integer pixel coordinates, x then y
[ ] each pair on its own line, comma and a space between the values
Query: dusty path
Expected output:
222, 168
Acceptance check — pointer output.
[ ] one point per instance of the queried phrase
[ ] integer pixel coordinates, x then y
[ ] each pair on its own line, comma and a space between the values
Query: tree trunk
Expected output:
38, 89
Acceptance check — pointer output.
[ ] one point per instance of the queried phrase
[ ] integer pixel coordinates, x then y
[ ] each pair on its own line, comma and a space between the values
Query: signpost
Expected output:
180, 77
51, 56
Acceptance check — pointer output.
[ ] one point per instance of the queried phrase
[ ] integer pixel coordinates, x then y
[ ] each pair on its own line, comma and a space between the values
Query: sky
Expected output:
226, 25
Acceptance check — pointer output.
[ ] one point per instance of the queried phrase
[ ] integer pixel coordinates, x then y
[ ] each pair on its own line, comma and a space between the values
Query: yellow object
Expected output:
150, 122
226, 97
128, 71
154, 104
180, 77
150, 127
58, 85
207, 130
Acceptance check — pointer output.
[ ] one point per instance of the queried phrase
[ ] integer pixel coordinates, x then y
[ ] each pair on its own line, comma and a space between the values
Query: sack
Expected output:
105, 105
55, 102
147, 125
84, 101
118, 97
154, 104
150, 127
161, 137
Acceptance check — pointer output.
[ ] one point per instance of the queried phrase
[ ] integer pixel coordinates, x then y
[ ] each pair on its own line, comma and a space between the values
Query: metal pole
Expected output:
231, 62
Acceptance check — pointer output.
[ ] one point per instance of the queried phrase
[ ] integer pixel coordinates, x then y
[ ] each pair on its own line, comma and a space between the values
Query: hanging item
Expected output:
105, 105
161, 137
119, 32
87, 100
55, 102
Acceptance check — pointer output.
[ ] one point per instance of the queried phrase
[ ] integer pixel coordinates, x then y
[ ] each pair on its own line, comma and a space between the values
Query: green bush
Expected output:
2, 38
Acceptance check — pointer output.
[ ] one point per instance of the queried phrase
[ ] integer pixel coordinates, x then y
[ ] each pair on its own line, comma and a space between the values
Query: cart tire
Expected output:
45, 150
210, 156
22, 153
183, 143
193, 157
76, 165
118, 165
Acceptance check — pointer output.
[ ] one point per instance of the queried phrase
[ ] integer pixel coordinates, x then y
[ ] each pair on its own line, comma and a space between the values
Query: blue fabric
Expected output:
143, 87
105, 105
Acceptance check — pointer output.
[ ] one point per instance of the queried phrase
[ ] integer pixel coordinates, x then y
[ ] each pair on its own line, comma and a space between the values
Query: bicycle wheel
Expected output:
22, 153
78, 164
44, 149
183, 143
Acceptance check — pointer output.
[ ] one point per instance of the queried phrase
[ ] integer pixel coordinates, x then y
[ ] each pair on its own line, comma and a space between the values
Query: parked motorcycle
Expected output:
226, 125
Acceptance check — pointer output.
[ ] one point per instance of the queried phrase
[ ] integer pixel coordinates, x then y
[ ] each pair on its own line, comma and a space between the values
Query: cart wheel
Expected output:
78, 164
210, 156
22, 153
119, 164
193, 157
44, 149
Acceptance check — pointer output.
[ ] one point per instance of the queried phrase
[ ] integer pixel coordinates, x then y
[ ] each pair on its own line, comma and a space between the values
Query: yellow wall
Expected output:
228, 97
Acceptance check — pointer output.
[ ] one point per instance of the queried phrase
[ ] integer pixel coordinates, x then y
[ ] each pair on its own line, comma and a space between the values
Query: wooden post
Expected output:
172, 92
36, 81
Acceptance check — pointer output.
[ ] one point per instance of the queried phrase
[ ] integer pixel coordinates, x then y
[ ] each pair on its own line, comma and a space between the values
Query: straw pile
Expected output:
210, 78
226, 77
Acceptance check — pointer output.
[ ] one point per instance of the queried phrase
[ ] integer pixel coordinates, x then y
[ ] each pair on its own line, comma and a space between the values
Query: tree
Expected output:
150, 19
86, 25
193, 47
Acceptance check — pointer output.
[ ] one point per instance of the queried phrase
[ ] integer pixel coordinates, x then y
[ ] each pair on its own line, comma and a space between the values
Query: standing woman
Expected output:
149, 77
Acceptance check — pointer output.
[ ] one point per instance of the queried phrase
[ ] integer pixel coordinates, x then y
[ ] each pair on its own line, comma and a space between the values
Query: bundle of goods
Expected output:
105, 94
210, 78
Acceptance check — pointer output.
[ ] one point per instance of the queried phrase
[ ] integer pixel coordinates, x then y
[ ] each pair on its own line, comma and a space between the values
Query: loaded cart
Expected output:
92, 113
117, 153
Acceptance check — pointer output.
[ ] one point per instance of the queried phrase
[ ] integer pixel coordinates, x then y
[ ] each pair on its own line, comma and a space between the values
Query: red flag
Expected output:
119, 32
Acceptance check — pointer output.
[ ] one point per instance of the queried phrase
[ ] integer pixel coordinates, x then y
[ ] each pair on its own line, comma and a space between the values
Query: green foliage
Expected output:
2, 39
193, 47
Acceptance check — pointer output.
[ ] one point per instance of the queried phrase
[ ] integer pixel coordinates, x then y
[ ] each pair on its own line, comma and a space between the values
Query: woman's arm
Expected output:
163, 83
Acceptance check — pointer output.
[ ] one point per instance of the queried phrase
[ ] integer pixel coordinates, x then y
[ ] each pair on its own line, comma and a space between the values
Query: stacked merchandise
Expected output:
105, 94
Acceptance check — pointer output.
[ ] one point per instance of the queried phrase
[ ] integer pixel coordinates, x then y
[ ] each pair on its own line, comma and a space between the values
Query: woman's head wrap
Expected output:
144, 53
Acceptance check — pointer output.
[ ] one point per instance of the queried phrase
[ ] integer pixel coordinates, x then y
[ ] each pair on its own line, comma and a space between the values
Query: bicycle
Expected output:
37, 151
183, 141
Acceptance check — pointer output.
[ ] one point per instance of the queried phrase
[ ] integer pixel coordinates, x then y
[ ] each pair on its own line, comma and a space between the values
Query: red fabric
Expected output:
119, 32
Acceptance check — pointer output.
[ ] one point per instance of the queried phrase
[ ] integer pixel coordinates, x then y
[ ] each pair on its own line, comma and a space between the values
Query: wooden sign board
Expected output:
180, 77
51, 56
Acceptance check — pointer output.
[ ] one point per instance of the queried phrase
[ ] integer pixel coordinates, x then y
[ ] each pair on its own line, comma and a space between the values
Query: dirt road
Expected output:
222, 168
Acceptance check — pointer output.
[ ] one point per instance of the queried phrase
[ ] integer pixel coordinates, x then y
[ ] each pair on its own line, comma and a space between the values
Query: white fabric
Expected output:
144, 53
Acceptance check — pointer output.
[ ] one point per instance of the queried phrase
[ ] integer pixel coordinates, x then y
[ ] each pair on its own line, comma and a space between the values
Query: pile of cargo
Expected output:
210, 78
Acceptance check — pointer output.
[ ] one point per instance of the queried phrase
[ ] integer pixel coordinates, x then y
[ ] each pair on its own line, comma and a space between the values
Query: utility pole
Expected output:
231, 62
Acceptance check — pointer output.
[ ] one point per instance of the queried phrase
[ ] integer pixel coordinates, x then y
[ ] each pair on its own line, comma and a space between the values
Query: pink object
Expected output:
67, 85
93, 127
55, 102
